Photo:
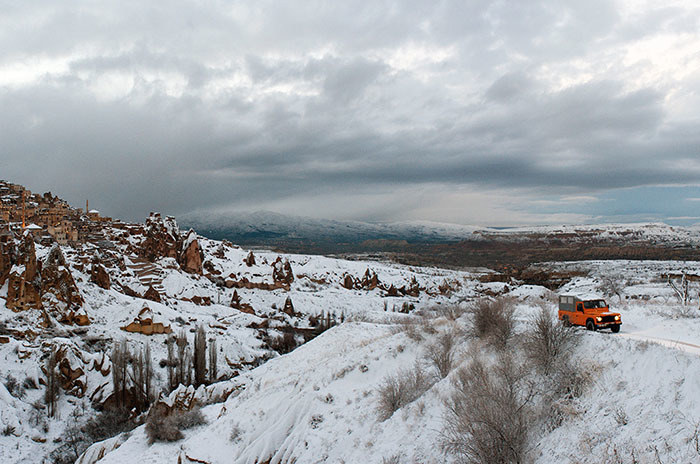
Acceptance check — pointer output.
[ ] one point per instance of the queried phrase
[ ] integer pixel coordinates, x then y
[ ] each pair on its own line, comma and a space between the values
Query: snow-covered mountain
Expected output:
264, 227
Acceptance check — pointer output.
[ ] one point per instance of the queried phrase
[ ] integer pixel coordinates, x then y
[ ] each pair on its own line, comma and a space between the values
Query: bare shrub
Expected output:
488, 414
409, 326
493, 320
164, 426
548, 343
401, 389
282, 344
8, 430
395, 459
14, 387
441, 354
450, 312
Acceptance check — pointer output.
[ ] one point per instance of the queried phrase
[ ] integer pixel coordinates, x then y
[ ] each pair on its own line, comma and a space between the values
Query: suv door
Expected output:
579, 318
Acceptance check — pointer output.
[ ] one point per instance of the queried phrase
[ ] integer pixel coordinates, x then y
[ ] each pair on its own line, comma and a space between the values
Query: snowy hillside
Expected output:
292, 357
321, 403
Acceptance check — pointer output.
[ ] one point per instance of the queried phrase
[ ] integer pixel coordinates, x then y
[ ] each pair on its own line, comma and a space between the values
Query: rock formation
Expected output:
237, 303
100, 276
144, 324
7, 252
59, 293
191, 256
282, 271
250, 259
152, 294
370, 280
24, 287
288, 307
162, 238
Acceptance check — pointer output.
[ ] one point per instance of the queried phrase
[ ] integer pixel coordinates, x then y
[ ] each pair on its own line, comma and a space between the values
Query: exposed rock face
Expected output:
349, 282
237, 303
288, 307
7, 251
162, 238
59, 293
243, 282
282, 271
80, 373
370, 280
100, 276
250, 259
152, 294
144, 324
24, 287
191, 255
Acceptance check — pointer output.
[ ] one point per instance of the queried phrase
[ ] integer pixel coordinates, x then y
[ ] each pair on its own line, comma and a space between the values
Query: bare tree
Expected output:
171, 364
142, 373
200, 356
681, 289
183, 363
51, 392
212, 361
120, 359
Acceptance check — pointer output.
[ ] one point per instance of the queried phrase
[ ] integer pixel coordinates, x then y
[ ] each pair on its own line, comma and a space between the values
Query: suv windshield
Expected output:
593, 304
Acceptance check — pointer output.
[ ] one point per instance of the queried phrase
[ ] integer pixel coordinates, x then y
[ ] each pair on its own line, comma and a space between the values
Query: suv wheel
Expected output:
590, 325
615, 328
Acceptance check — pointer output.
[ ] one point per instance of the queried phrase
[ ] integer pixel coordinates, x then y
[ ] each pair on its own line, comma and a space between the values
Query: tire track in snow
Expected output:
676, 344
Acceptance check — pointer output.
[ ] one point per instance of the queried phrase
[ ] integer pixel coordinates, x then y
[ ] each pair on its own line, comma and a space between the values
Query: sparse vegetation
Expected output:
14, 387
441, 354
493, 321
489, 412
401, 389
8, 430
162, 425
548, 342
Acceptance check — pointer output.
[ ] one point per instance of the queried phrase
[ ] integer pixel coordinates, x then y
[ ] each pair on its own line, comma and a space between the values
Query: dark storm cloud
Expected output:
176, 107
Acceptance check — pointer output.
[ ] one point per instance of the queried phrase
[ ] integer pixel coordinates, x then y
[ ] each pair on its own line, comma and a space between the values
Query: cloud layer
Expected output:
475, 112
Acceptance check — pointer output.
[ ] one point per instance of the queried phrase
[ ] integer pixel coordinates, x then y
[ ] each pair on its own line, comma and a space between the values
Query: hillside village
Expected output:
118, 331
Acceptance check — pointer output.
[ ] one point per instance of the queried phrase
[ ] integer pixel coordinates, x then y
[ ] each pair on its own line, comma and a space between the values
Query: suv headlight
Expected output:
617, 318
598, 318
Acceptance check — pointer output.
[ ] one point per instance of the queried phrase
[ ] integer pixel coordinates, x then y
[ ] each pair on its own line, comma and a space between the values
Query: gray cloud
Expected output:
180, 107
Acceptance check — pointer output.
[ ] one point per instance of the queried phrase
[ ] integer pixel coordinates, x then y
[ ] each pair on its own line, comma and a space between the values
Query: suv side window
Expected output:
579, 307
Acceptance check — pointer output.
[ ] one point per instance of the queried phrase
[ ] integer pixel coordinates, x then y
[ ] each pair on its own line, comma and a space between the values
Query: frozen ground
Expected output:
319, 402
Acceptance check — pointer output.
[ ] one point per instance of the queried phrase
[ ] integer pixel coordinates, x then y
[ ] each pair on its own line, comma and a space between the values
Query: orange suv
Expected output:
592, 313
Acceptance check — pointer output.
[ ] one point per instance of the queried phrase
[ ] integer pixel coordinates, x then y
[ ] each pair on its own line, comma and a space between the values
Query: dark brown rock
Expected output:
191, 256
100, 276
24, 287
153, 295
250, 259
162, 238
282, 271
59, 293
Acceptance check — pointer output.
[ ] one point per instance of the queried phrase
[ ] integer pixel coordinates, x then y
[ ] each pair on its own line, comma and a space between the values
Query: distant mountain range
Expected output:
452, 245
262, 227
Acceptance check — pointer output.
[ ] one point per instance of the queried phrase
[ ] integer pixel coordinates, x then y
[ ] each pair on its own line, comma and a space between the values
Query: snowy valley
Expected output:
311, 359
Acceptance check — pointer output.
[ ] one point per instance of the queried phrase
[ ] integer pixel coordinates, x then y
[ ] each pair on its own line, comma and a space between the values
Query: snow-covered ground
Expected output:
319, 402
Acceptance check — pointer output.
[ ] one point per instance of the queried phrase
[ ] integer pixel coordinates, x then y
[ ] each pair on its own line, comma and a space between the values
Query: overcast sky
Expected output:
476, 112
